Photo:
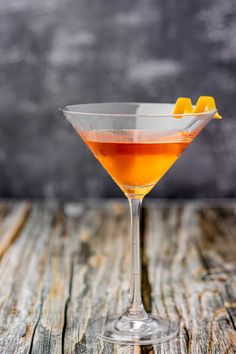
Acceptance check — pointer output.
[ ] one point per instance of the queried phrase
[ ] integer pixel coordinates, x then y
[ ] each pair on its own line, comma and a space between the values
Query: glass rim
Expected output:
65, 109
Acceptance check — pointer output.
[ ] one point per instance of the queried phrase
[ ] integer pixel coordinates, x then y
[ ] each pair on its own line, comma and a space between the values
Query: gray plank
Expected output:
21, 272
192, 272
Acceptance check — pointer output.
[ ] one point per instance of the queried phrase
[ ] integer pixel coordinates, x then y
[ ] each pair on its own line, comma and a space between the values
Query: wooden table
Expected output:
63, 265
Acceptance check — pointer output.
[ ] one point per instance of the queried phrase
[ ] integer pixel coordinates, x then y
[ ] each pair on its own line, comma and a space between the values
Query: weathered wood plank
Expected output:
62, 266
192, 272
104, 266
21, 271
11, 225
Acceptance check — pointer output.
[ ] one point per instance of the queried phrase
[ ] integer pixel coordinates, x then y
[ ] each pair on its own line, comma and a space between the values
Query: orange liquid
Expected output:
136, 160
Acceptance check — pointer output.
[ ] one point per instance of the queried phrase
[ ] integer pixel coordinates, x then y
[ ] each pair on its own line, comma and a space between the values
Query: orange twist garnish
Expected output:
184, 105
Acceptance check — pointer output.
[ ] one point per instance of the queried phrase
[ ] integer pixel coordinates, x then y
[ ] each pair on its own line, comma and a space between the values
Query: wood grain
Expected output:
63, 265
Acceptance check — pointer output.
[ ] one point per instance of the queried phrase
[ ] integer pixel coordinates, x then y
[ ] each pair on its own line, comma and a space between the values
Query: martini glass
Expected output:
136, 143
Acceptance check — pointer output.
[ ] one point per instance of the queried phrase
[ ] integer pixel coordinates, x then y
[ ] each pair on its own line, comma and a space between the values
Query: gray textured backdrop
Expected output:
59, 52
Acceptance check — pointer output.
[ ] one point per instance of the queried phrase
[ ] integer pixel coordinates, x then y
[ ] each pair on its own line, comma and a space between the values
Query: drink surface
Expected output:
136, 159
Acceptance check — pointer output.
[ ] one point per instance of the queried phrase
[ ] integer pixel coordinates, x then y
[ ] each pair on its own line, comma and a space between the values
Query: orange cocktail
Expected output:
136, 160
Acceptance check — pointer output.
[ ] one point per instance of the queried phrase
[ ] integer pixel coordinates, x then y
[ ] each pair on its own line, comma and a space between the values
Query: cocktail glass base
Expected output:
121, 329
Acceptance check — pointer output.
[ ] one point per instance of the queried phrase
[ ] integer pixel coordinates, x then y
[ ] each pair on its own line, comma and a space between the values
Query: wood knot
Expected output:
216, 275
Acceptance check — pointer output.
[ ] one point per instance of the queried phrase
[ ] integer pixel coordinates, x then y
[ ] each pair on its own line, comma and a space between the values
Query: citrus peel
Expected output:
184, 105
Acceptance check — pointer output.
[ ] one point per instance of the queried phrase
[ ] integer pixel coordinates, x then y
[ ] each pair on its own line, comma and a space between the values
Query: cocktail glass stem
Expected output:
135, 309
